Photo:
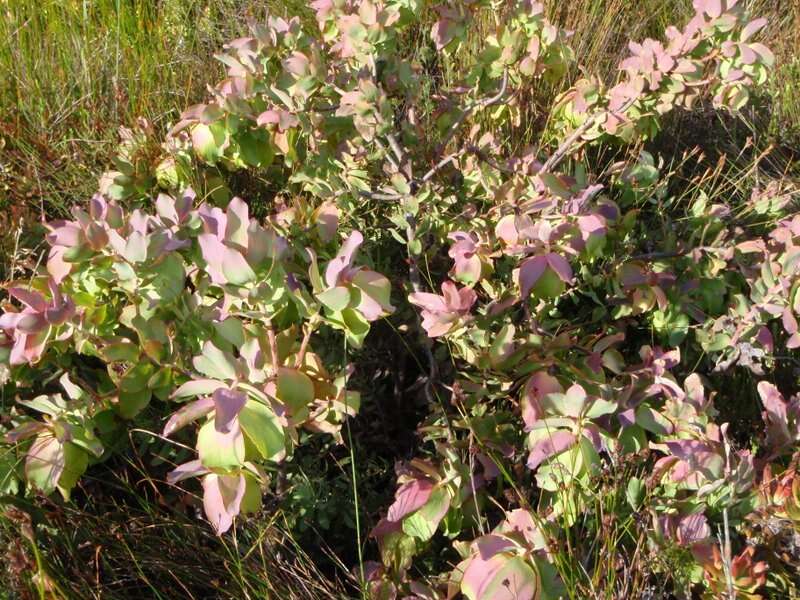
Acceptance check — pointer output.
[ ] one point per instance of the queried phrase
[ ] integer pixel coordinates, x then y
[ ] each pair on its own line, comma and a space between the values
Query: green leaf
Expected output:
75, 463
422, 524
336, 298
120, 352
601, 407
653, 421
549, 285
134, 393
375, 286
255, 148
236, 269
73, 391
570, 404
9, 481
44, 463
132, 403
552, 588
501, 577
634, 493
632, 439
398, 550
220, 450
356, 327
262, 428
215, 363
503, 346
168, 278
50, 405
295, 389
85, 438
209, 141
251, 502
232, 331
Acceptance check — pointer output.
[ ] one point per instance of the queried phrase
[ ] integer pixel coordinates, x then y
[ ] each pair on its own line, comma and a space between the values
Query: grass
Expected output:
118, 541
74, 71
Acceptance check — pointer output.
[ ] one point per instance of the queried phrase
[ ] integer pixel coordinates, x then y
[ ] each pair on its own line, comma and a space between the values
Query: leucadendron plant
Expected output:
198, 307
571, 314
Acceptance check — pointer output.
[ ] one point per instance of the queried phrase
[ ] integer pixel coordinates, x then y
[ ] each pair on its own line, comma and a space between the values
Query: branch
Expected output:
565, 146
440, 165
401, 155
301, 354
480, 154
273, 348
379, 196
389, 156
416, 285
483, 103
485, 158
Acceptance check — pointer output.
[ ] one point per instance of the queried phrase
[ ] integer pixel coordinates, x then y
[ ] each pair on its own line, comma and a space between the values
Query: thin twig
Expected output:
440, 165
301, 354
727, 561
416, 285
566, 145
481, 155
273, 348
482, 103
389, 156
379, 196
402, 157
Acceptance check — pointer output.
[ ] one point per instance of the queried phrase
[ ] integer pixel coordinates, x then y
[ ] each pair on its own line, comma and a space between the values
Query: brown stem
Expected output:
566, 145
482, 103
301, 354
273, 349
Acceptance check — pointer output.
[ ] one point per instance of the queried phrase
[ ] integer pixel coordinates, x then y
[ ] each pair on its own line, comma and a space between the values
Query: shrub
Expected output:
582, 314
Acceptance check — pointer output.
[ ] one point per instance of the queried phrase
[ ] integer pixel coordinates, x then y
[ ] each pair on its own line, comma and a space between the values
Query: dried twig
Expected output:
566, 145
273, 348
440, 165
301, 354
482, 103
389, 156
380, 196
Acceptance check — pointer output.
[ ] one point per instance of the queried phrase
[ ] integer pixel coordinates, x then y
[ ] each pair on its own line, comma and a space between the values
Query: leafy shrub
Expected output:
581, 315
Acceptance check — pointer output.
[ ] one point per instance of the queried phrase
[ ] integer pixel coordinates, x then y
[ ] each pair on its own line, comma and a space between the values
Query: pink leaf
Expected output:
222, 499
57, 267
537, 387
427, 301
752, 28
68, 234
409, 497
693, 529
227, 406
193, 468
31, 299
327, 218
214, 220
530, 271
559, 264
344, 259
489, 545
554, 444
501, 577
775, 415
187, 414
238, 221
24, 431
